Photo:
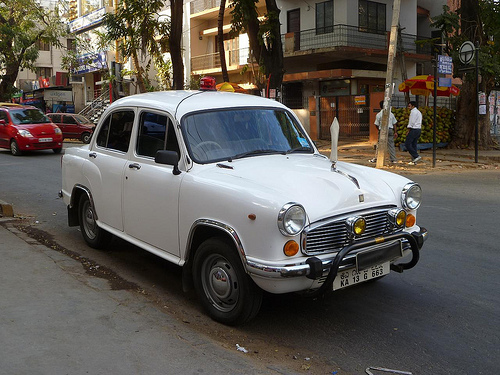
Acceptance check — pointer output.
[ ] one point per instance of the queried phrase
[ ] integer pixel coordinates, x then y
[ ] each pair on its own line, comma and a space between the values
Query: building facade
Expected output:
335, 55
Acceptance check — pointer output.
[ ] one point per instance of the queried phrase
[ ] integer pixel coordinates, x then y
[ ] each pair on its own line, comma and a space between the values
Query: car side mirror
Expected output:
168, 158
2, 122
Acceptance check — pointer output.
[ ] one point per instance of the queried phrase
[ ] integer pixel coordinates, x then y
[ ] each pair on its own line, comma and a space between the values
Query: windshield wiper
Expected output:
256, 152
297, 149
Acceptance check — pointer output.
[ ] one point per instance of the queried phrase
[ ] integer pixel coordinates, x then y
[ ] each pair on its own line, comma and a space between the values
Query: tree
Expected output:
476, 21
136, 24
220, 35
264, 37
176, 7
22, 24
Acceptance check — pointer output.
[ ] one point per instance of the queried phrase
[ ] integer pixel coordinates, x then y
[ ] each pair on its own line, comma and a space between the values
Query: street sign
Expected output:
444, 82
466, 52
445, 64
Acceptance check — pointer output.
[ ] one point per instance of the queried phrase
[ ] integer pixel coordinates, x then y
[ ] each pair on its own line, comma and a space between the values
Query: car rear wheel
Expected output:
95, 236
85, 138
57, 150
14, 148
228, 294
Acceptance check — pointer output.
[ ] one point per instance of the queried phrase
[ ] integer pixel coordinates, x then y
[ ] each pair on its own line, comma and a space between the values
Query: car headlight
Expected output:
291, 219
24, 133
411, 196
57, 131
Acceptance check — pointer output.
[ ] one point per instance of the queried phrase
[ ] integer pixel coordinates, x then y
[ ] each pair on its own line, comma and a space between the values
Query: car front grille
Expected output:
332, 235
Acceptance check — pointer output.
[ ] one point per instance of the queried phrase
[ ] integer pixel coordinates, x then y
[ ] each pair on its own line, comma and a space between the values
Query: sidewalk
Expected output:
56, 319
360, 152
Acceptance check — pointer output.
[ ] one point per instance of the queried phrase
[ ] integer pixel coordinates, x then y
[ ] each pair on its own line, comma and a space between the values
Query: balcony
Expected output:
210, 63
346, 37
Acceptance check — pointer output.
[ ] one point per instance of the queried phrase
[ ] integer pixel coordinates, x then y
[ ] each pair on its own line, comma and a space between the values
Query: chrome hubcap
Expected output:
220, 282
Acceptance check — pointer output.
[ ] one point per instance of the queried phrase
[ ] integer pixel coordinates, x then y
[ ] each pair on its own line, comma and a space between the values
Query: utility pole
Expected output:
382, 139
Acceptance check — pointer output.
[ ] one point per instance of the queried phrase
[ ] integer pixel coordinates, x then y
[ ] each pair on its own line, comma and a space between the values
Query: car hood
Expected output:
308, 180
38, 130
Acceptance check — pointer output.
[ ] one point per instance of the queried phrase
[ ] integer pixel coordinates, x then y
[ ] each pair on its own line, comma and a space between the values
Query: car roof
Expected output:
14, 105
180, 102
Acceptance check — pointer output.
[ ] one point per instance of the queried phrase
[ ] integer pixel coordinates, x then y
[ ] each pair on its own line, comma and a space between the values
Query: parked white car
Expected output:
231, 188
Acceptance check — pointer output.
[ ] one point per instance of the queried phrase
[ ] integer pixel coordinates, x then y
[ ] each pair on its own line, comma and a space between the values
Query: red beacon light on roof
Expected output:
207, 84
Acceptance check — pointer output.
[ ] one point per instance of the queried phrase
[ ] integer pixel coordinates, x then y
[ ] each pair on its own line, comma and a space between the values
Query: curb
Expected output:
6, 209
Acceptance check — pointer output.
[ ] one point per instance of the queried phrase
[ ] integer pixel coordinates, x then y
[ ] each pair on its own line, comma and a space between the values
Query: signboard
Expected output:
58, 95
482, 97
87, 20
91, 63
444, 82
360, 100
466, 52
445, 64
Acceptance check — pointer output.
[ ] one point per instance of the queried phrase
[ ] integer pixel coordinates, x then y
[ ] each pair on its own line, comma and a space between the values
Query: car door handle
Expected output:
134, 166
93, 155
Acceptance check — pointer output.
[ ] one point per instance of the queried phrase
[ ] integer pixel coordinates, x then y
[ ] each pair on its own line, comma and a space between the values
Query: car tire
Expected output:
227, 293
57, 150
85, 138
14, 148
93, 235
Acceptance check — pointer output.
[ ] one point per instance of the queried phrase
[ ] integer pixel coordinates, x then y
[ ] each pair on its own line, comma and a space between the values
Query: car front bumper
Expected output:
315, 268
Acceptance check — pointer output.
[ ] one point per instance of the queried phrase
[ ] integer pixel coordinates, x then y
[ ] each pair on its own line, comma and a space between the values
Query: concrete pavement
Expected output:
360, 152
56, 319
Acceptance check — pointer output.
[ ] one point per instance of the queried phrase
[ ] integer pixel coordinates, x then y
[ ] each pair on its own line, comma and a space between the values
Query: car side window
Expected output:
3, 116
115, 131
55, 118
156, 132
69, 120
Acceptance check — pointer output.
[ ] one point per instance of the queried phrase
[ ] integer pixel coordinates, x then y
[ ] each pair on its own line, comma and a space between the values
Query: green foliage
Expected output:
243, 13
139, 28
164, 73
485, 30
22, 24
193, 83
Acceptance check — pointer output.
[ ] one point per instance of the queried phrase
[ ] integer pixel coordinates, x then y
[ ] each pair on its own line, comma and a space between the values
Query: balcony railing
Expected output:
348, 36
234, 59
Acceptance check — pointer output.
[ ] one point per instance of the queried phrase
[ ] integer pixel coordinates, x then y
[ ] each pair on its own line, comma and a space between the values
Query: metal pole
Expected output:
434, 114
476, 142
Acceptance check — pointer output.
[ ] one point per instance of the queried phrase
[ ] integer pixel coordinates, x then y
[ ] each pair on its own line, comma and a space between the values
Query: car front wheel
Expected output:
95, 236
57, 150
14, 148
228, 294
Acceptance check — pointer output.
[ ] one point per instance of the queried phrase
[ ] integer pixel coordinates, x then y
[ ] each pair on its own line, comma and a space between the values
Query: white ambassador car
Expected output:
231, 188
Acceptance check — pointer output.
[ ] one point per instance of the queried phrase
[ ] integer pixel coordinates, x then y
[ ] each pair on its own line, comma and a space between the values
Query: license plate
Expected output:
44, 139
352, 277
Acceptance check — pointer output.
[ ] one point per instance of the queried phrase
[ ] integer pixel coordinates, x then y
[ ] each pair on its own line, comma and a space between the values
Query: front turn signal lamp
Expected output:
356, 225
410, 220
291, 248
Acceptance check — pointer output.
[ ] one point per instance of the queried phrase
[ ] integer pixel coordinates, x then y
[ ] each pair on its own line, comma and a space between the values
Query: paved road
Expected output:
442, 317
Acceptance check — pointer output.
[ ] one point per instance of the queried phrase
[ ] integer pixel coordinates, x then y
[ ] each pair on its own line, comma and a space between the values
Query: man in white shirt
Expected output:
390, 135
414, 131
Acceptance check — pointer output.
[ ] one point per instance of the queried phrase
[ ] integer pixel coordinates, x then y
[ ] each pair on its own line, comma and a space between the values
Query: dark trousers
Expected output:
411, 142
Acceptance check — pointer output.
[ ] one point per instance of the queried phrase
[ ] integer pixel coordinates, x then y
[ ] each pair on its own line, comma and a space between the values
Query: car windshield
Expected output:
236, 133
28, 116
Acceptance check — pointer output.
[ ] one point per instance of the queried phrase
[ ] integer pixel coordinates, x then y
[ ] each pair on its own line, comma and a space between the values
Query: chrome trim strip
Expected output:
89, 195
216, 224
351, 178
